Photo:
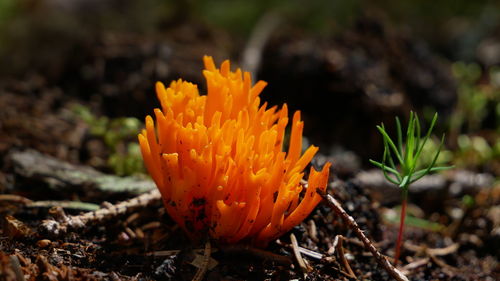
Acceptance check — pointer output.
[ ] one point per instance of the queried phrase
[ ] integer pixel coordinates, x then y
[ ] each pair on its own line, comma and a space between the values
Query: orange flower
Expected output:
217, 159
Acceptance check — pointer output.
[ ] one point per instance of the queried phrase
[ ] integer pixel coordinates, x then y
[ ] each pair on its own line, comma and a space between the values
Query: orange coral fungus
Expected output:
217, 159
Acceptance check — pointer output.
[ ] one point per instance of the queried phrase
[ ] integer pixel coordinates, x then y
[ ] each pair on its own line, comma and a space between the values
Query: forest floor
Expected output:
51, 163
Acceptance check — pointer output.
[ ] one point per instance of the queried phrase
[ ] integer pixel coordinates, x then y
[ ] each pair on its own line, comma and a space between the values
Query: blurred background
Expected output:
77, 76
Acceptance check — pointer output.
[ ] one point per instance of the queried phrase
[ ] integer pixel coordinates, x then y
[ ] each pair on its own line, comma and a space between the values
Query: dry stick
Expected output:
416, 264
345, 263
298, 256
303, 251
313, 232
395, 273
310, 253
432, 251
206, 259
55, 228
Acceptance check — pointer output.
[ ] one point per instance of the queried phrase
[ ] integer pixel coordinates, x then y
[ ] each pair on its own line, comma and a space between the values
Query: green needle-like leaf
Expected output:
386, 150
391, 144
417, 136
407, 152
433, 122
408, 139
400, 136
429, 168
421, 173
382, 166
391, 162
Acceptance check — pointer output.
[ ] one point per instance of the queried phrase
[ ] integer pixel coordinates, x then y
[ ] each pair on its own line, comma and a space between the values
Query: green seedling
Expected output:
406, 154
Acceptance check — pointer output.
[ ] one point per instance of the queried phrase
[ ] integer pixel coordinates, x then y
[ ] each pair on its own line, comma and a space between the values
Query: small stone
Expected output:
43, 243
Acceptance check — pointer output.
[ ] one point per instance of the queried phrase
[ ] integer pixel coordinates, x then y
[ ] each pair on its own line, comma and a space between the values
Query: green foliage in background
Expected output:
7, 11
474, 98
475, 151
478, 96
119, 135
455, 27
429, 151
240, 16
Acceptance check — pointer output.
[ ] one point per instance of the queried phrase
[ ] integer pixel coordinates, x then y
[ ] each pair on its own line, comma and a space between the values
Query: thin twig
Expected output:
313, 232
298, 256
448, 269
331, 250
433, 251
266, 255
311, 253
395, 273
345, 263
164, 253
204, 265
303, 251
55, 228
416, 264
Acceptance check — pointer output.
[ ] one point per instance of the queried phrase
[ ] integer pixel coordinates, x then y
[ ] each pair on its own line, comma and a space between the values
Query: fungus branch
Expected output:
202, 149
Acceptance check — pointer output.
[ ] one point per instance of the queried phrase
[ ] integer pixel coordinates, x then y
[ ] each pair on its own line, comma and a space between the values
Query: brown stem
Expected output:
337, 208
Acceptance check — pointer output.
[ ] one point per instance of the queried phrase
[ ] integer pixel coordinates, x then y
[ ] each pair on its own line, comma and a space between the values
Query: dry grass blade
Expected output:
298, 256
333, 247
416, 264
433, 251
444, 251
312, 230
345, 263
204, 266
310, 253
